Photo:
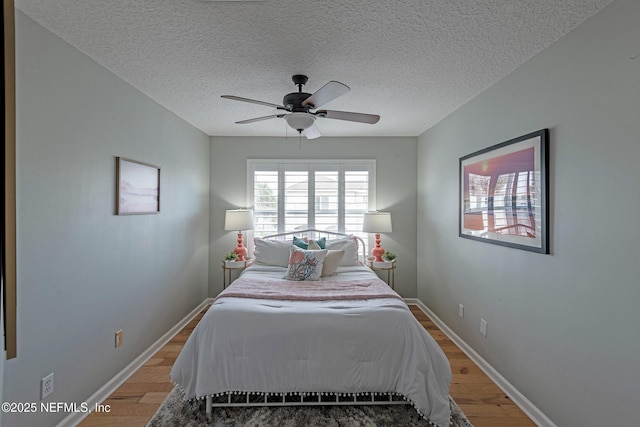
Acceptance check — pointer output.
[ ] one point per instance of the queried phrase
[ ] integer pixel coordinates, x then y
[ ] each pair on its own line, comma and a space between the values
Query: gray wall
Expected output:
83, 272
396, 189
562, 328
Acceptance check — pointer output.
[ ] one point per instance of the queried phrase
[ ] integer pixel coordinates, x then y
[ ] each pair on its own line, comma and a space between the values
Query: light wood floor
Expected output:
484, 404
134, 403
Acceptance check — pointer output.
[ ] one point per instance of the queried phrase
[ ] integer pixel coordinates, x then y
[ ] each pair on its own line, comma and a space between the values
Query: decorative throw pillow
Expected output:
305, 265
301, 243
331, 263
271, 252
350, 247
304, 243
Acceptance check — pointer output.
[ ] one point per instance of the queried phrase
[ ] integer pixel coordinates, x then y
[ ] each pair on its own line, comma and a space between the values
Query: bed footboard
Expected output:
244, 399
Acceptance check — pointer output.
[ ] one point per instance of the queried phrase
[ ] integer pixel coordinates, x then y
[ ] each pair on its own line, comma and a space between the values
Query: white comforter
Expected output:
260, 345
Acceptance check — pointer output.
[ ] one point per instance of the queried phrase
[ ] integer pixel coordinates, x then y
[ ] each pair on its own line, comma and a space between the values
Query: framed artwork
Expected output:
137, 187
504, 193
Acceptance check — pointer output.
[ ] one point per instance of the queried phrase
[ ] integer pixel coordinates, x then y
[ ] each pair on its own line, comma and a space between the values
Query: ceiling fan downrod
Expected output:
300, 80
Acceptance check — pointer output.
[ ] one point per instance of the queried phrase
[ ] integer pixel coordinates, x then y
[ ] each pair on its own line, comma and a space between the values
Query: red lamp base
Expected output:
378, 251
240, 250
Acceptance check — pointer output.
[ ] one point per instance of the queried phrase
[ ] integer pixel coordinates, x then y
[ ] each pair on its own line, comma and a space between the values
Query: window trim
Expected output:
311, 165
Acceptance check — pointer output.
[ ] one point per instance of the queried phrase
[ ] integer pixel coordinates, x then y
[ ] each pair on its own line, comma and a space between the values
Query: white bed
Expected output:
348, 335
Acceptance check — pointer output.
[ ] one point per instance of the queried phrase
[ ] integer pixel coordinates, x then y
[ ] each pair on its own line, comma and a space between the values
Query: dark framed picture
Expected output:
504, 193
137, 187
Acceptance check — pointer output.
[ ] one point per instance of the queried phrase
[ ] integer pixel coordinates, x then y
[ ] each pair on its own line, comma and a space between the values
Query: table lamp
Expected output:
377, 222
239, 220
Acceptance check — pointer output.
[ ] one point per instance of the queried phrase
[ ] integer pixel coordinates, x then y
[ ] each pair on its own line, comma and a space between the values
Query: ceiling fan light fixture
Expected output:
300, 121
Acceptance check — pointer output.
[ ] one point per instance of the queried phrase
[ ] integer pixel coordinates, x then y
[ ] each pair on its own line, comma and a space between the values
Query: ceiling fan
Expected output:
298, 107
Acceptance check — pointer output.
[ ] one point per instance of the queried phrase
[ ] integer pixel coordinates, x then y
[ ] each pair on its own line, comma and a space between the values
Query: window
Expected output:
331, 195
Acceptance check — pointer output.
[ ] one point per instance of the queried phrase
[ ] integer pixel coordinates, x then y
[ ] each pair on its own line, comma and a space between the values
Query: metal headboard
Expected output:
312, 233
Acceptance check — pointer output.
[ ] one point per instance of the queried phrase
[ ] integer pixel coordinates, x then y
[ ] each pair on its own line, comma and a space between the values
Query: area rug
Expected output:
175, 411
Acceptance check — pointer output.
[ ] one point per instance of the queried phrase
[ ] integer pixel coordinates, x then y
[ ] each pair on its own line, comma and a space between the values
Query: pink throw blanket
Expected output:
308, 290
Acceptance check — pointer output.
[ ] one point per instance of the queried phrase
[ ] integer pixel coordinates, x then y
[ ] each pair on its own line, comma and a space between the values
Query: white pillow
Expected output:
304, 264
331, 262
350, 247
313, 246
271, 252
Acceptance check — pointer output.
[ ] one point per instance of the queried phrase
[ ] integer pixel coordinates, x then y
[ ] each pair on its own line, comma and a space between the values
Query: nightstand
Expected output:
389, 267
228, 267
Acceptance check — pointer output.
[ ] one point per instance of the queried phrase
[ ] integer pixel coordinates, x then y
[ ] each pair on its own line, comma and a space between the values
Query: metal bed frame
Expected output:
314, 234
253, 399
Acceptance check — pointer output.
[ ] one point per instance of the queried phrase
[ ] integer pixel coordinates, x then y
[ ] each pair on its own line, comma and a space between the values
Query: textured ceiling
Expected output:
411, 61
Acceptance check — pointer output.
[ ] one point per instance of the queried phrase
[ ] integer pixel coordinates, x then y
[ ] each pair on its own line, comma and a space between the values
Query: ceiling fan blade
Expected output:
349, 116
312, 132
253, 101
259, 119
280, 111
326, 93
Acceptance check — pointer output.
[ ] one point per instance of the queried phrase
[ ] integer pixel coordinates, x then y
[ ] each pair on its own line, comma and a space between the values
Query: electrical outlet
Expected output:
46, 386
483, 327
461, 310
119, 338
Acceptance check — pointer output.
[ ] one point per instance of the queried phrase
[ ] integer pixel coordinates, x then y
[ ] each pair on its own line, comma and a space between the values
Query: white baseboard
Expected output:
106, 390
532, 411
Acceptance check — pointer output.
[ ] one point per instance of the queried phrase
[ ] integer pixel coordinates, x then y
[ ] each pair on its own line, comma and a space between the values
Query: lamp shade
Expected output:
377, 222
238, 220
